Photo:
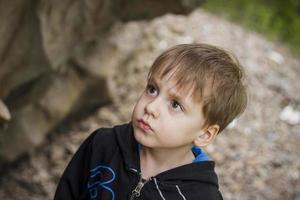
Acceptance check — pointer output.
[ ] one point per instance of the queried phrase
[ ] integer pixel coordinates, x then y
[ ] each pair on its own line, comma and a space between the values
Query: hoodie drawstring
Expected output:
162, 196
158, 189
180, 193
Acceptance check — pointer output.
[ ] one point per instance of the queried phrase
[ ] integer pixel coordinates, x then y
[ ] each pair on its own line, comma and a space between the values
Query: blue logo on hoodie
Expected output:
95, 182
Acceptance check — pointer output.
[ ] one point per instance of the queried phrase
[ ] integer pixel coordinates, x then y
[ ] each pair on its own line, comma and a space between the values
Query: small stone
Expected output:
4, 112
289, 115
276, 57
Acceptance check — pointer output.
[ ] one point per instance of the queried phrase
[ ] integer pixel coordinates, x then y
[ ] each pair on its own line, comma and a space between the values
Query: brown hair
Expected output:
215, 76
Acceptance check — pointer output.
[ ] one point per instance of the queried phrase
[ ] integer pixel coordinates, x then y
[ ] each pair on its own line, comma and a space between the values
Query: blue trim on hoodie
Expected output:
200, 155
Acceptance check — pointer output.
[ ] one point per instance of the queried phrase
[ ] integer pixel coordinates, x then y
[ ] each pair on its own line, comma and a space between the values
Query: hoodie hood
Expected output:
195, 172
199, 171
128, 146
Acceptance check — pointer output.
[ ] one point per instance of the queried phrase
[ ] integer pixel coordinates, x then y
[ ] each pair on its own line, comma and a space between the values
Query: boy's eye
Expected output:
176, 106
151, 90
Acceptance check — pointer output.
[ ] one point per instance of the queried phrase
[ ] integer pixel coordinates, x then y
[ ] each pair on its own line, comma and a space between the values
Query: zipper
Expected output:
136, 192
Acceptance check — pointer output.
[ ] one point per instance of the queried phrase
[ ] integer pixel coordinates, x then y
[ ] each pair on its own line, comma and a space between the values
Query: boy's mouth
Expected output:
144, 125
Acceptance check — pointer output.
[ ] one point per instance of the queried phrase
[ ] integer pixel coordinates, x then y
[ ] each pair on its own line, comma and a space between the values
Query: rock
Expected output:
135, 10
66, 95
4, 114
44, 40
289, 115
22, 57
276, 57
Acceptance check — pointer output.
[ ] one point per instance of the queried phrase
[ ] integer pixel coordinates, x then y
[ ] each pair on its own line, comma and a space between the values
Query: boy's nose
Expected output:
152, 108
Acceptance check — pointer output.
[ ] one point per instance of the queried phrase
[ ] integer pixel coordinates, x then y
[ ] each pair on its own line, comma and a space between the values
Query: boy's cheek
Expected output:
137, 110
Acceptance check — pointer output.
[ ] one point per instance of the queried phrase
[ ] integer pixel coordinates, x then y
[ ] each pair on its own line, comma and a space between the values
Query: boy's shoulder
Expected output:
110, 135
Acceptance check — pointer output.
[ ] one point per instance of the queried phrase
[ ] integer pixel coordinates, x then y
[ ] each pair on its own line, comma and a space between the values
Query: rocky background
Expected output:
47, 74
257, 156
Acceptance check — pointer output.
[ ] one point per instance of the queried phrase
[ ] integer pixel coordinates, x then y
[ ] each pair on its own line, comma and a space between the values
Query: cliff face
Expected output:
45, 72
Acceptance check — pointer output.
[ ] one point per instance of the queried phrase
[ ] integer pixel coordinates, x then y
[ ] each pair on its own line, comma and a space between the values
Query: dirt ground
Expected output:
257, 156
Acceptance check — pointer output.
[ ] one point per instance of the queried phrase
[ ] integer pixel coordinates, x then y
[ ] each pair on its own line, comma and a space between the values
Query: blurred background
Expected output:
277, 20
70, 67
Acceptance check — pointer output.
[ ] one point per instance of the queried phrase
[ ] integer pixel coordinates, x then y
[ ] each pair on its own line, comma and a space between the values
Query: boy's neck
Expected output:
155, 161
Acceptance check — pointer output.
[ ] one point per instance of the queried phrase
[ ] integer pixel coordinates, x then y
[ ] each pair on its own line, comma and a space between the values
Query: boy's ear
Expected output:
207, 136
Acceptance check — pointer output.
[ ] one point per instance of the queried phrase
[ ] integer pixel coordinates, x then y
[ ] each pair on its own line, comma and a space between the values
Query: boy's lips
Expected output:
144, 125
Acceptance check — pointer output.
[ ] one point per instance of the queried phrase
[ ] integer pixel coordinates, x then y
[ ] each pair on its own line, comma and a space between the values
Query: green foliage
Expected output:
278, 19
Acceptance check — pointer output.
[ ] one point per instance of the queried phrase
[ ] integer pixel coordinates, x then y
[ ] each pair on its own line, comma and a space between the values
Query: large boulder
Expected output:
56, 61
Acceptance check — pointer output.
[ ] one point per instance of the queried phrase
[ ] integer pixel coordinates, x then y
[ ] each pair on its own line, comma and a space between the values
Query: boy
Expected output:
194, 91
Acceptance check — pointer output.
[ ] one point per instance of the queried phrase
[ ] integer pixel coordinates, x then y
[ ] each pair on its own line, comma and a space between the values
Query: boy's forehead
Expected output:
183, 91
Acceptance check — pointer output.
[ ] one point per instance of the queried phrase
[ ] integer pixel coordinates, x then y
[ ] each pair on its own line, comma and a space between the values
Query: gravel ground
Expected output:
257, 157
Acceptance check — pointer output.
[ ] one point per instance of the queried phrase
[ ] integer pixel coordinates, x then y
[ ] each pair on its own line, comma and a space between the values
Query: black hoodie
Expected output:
107, 167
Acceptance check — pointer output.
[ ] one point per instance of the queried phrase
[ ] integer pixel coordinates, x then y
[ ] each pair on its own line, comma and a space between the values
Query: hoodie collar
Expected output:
128, 145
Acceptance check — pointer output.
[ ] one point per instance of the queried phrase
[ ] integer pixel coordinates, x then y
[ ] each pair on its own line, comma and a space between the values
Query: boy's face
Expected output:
165, 118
